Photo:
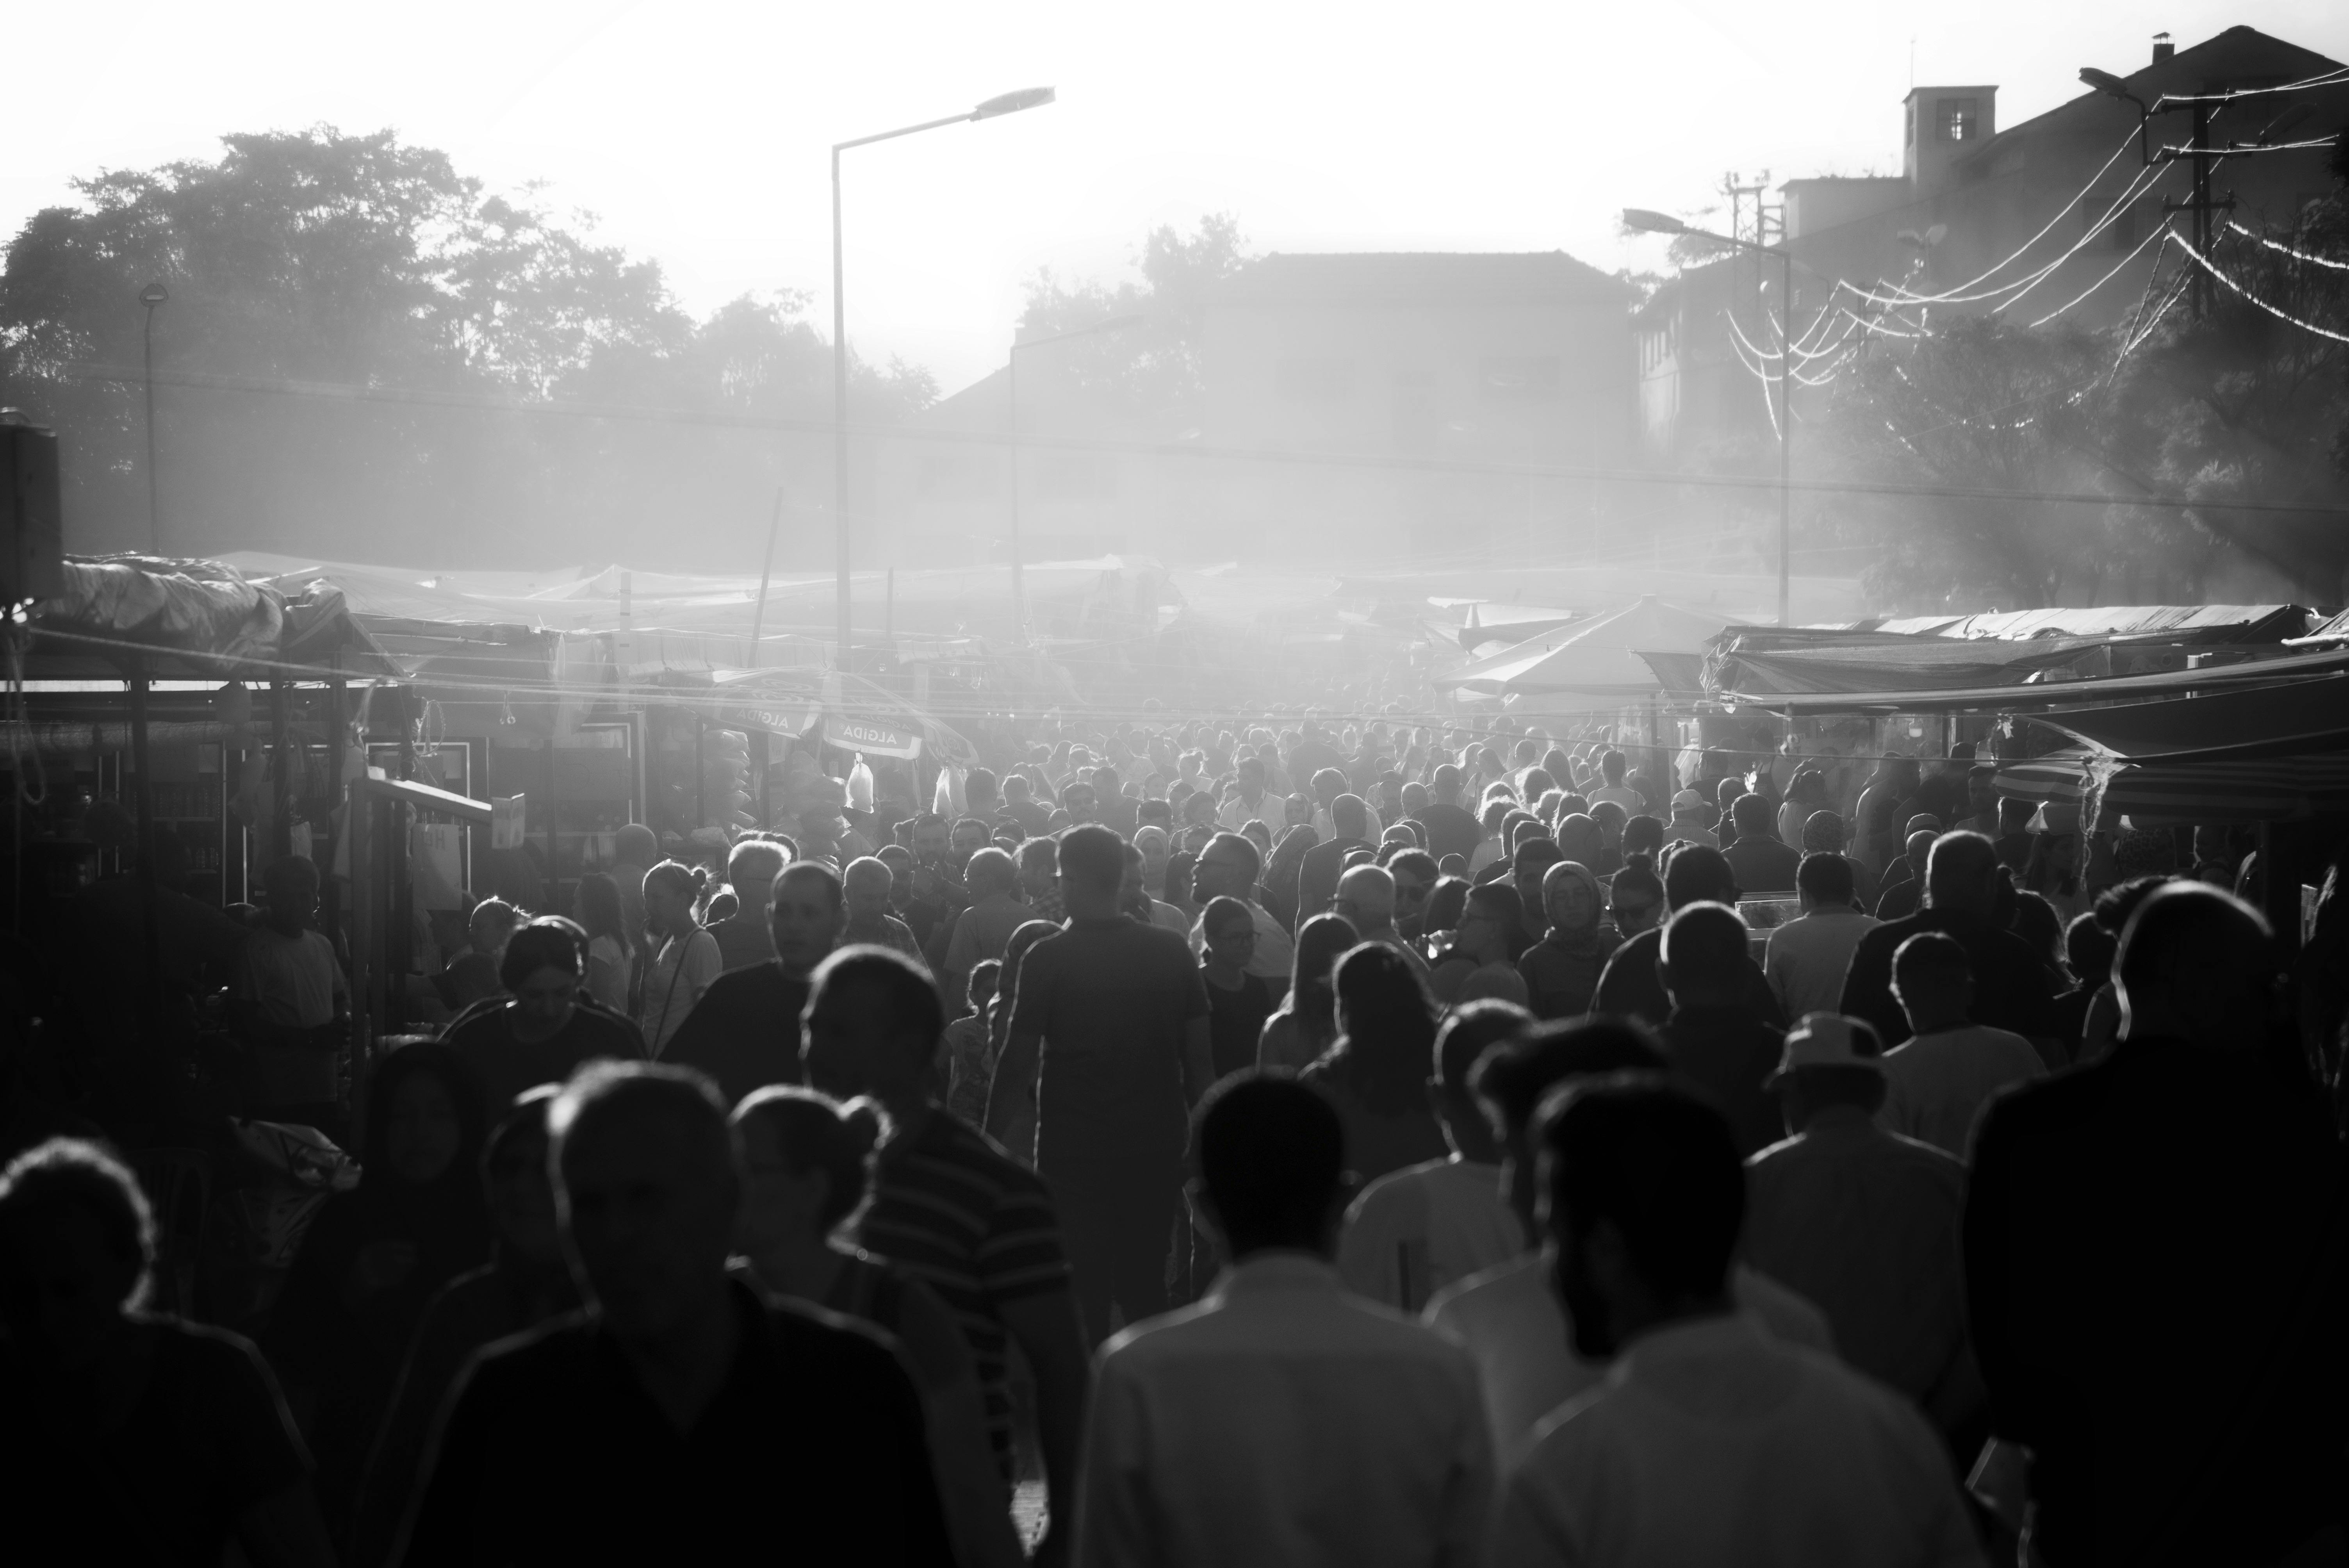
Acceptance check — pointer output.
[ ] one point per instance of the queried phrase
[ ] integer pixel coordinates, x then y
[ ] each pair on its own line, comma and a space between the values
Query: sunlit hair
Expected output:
75, 1173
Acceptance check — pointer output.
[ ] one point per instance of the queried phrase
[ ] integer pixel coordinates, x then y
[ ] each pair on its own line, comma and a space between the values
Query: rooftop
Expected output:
1401, 277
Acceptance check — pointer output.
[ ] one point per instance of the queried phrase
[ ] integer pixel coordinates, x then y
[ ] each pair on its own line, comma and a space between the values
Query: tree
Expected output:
475, 325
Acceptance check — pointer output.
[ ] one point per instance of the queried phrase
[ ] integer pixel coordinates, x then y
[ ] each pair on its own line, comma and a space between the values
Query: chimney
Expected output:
2162, 48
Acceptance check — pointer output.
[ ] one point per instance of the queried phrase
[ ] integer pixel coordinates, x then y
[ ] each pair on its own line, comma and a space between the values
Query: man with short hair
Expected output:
2011, 986
1281, 1420
1451, 830
1762, 864
981, 930
1937, 1084
742, 937
1866, 1224
1318, 872
1508, 1318
1110, 1043
1612, 767
1712, 1442
1366, 897
1327, 785
1040, 879
1824, 833
1415, 877
1714, 1036
953, 1211
2179, 1193
865, 888
1633, 985
1254, 801
1033, 818
680, 1419
744, 1033
1229, 868
1415, 1231
1904, 879
1806, 957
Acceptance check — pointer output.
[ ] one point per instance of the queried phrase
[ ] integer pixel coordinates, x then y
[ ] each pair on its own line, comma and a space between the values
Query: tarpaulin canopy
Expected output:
2301, 717
2188, 622
1489, 623
2104, 786
1762, 659
195, 618
2057, 693
1600, 657
844, 711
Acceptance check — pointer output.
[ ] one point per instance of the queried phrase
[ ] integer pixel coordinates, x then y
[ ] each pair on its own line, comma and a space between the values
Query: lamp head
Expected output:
153, 294
1647, 222
1013, 103
2105, 82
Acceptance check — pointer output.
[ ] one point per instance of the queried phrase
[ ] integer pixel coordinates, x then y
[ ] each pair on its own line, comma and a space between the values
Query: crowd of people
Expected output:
1290, 1143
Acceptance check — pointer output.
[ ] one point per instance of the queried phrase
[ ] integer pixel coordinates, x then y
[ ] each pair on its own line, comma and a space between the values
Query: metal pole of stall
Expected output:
338, 807
281, 786
143, 795
402, 944
766, 572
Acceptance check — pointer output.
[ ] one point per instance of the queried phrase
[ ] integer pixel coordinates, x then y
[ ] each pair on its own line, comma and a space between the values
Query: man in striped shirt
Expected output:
954, 1211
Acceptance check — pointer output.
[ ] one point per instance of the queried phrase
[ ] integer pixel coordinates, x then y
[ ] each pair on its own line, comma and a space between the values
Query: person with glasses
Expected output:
1239, 1002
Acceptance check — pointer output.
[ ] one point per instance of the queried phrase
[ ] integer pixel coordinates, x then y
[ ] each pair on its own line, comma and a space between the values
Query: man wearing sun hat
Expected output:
1688, 822
1866, 1224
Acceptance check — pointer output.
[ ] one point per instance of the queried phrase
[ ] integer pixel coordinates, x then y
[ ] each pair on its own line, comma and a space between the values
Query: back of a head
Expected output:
1414, 863
1369, 891
1092, 859
1959, 873
1350, 815
2088, 948
990, 872
1445, 781
1823, 833
1705, 950
1611, 764
75, 1175
1269, 1154
1930, 965
1320, 943
1469, 1031
886, 979
1751, 814
1823, 878
1643, 834
635, 845
1658, 1164
1919, 849
1581, 840
624, 1098
1513, 1076
752, 866
2190, 932
1699, 874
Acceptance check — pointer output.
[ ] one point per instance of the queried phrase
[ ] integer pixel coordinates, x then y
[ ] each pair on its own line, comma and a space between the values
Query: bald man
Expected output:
2175, 1196
682, 1417
867, 885
1366, 897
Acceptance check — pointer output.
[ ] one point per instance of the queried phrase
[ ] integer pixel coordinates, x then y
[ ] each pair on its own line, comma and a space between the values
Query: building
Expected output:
1391, 358
2070, 191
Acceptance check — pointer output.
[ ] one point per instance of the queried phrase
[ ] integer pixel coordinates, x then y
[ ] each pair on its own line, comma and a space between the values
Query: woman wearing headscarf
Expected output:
1561, 970
374, 1255
1376, 1075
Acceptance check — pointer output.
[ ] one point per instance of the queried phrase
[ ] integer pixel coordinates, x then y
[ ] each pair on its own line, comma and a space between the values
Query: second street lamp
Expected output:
1003, 104
1012, 405
1647, 223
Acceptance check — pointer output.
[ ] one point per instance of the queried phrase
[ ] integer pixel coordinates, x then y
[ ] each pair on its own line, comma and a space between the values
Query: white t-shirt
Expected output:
680, 973
1415, 1231
1935, 1084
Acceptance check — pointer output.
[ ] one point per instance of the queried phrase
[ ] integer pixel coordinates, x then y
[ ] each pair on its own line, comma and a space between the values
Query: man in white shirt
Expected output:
1229, 868
1327, 785
1254, 802
1508, 1318
1711, 1442
1937, 1084
1281, 1419
1611, 766
1415, 1231
1809, 955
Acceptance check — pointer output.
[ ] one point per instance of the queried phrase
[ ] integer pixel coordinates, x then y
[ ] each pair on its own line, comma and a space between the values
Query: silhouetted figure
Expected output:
745, 1031
544, 1030
1376, 1074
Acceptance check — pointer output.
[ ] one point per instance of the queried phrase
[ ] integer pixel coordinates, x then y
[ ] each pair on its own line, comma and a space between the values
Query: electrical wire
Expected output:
2220, 273
2335, 77
2150, 237
2333, 262
2137, 186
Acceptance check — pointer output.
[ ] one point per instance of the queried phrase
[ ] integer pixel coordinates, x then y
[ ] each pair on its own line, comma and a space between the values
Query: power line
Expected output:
2101, 281
2334, 264
2205, 264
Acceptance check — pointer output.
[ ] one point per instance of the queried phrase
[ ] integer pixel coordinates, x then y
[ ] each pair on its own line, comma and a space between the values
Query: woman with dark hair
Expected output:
1635, 898
1445, 904
807, 1167
1019, 1135
374, 1255
1377, 1073
131, 1436
1486, 945
611, 960
1307, 1024
685, 958
1806, 792
539, 1033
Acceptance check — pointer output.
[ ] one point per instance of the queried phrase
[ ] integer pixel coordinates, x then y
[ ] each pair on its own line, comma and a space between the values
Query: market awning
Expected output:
2050, 695
2302, 717
1595, 659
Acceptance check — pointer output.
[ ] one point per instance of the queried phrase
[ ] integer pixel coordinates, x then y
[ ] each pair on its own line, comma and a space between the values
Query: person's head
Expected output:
1532, 862
806, 910
1155, 849
423, 1122
1039, 868
1415, 797
1251, 772
542, 967
1610, 819
1350, 815
1321, 941
1091, 871
1918, 850
1268, 1156
1227, 868
636, 847
1470, 1030
1824, 880
1080, 801
1829, 1060
514, 1181
1495, 815
806, 1164
1386, 1026
873, 1026
979, 989
1752, 816
489, 924
1571, 899
648, 1180
1642, 1198
751, 867
1492, 926
866, 885
1015, 789
2088, 950
76, 1253
595, 905
1511, 1079
672, 889
1728, 790
1366, 898
291, 882
1414, 875
1823, 833
1933, 981
1580, 838
1519, 826
1699, 873
1703, 958
1962, 874
2196, 964
1443, 785
1230, 932
1643, 835
1327, 785
967, 838
1611, 764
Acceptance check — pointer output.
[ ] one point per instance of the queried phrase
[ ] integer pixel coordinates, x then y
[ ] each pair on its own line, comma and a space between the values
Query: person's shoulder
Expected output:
1464, 1301
1395, 1190
208, 1349
535, 1362
801, 1329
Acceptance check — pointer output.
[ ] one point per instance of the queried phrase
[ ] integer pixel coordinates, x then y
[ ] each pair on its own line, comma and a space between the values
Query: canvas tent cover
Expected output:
1598, 657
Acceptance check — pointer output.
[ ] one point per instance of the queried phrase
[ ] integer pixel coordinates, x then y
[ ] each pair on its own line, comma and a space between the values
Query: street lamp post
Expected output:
1008, 103
1011, 403
151, 296
1665, 223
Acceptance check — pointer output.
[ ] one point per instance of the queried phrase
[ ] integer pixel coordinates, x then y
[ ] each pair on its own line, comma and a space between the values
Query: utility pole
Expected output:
2200, 206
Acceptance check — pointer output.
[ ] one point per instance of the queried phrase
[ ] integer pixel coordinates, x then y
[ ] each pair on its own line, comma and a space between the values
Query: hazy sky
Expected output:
697, 131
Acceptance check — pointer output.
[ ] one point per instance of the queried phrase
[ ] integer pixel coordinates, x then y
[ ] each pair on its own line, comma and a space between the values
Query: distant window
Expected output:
1313, 380
1522, 378
1958, 118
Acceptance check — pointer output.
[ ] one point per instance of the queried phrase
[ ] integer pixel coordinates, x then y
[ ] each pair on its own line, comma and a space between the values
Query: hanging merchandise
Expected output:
860, 786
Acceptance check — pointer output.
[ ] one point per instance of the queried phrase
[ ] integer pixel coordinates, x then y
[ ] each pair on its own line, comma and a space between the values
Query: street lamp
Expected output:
1648, 222
1011, 401
151, 296
1003, 104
